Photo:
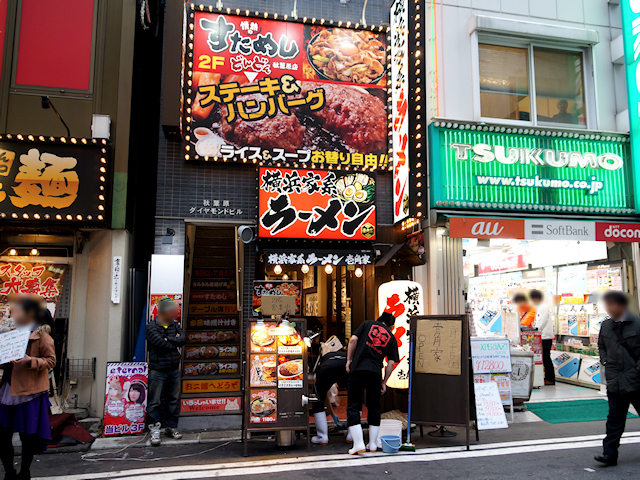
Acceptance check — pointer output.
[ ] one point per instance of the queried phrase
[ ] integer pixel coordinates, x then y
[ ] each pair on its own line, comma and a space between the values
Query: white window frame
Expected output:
587, 78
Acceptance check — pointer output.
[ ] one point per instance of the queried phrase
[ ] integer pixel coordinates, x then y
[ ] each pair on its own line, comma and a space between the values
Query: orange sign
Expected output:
470, 227
201, 386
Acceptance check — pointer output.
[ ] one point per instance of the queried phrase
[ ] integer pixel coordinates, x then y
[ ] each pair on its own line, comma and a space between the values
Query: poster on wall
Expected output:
276, 287
400, 107
30, 278
262, 90
153, 311
402, 299
125, 400
322, 204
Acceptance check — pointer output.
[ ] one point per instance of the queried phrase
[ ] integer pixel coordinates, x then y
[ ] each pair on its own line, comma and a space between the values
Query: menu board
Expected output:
277, 379
211, 356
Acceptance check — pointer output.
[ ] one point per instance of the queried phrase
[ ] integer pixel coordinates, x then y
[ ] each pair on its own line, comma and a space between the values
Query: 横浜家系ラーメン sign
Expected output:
483, 167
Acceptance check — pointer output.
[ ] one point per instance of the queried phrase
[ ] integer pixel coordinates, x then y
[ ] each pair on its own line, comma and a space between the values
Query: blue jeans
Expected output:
167, 382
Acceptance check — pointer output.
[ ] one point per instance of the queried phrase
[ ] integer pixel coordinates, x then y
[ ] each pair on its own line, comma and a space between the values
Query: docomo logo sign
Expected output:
618, 232
465, 227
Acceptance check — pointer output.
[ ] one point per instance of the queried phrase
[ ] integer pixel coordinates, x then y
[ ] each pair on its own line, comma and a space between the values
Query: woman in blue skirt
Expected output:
24, 392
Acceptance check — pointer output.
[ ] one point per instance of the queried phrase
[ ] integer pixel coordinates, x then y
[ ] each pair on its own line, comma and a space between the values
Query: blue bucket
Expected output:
390, 443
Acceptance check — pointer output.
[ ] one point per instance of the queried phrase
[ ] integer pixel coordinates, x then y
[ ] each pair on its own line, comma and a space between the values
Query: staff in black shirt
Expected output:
368, 347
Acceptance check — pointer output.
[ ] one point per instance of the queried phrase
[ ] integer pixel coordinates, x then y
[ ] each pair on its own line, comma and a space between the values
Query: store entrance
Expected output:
571, 275
330, 297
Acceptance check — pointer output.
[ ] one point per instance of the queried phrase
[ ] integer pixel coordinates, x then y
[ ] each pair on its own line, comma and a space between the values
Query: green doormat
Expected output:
572, 410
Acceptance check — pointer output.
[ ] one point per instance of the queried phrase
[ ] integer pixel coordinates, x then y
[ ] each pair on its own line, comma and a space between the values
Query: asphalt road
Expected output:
533, 450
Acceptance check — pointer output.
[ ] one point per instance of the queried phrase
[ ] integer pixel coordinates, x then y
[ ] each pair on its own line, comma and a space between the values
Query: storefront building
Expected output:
65, 111
531, 178
264, 194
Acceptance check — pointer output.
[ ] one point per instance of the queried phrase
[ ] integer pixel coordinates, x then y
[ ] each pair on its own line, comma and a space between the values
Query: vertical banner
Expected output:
631, 38
399, 109
125, 399
402, 299
116, 279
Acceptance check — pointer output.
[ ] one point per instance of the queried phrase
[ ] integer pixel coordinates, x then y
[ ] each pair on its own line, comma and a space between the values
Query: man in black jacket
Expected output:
619, 345
164, 337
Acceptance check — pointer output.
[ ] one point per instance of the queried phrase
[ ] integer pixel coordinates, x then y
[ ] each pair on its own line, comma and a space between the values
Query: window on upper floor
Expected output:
537, 85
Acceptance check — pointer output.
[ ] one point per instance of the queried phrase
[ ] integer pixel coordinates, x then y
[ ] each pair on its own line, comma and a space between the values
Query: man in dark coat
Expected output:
619, 345
164, 337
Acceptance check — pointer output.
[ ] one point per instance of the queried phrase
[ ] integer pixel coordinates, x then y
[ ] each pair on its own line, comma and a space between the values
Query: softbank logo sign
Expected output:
465, 227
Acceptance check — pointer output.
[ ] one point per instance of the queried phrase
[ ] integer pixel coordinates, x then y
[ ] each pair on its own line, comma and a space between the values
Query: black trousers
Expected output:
549, 372
618, 408
326, 376
359, 383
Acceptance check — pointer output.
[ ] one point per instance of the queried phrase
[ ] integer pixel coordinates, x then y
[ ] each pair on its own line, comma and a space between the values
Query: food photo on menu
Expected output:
261, 340
290, 369
322, 89
263, 406
263, 370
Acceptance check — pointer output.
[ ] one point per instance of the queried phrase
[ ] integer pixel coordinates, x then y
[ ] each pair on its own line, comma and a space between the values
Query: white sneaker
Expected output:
154, 430
173, 433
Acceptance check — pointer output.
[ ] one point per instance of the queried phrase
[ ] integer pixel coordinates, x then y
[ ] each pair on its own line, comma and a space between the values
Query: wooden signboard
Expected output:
276, 380
449, 376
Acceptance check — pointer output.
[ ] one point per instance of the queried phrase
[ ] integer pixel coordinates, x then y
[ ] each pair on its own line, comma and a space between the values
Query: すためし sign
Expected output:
49, 181
125, 400
263, 90
322, 204
402, 299
481, 167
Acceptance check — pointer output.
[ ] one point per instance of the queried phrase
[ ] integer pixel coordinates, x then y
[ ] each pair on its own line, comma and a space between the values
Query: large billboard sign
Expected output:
266, 91
486, 167
400, 107
322, 204
46, 180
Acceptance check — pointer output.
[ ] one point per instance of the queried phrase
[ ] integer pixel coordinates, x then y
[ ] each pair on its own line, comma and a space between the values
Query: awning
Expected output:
400, 251
317, 256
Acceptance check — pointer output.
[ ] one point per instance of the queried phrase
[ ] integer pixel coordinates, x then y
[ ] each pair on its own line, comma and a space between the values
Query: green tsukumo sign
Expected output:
493, 167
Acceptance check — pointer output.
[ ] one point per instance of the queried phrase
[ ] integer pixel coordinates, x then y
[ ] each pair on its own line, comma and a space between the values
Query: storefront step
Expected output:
107, 443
